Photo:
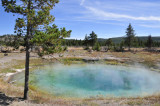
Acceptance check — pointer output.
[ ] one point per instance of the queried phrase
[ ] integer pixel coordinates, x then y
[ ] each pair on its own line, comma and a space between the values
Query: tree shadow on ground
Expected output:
6, 100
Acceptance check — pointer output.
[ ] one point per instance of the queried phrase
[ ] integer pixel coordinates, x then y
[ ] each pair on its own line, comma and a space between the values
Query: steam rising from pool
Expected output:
91, 80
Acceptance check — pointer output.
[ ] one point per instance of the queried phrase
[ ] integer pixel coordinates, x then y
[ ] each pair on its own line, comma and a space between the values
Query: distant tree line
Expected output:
129, 40
15, 41
137, 43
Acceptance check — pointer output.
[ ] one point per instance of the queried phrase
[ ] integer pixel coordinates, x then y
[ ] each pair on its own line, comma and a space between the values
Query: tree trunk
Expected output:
26, 73
129, 48
27, 55
27, 64
129, 45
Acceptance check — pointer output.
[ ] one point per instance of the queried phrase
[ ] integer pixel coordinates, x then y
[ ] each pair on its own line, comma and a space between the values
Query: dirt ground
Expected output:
149, 59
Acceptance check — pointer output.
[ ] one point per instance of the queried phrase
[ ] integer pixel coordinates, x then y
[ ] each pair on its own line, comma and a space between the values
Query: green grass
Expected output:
114, 62
86, 103
1, 55
156, 104
8, 70
133, 103
71, 60
20, 64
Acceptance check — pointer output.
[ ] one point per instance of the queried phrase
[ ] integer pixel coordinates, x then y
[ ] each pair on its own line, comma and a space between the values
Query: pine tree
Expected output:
109, 43
149, 42
97, 47
86, 40
33, 14
130, 35
93, 38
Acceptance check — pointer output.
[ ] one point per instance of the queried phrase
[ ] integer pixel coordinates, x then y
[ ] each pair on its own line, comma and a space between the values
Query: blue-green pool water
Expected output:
93, 80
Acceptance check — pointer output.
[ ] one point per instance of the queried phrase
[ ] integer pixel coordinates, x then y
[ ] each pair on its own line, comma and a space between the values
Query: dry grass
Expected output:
41, 97
1, 55
146, 56
114, 62
20, 64
9, 54
10, 89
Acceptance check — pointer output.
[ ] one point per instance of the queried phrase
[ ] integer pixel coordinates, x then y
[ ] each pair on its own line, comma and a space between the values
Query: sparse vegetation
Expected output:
65, 48
71, 60
86, 47
96, 47
109, 43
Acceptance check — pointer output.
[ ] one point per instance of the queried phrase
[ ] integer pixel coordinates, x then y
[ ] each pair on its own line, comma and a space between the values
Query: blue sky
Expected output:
107, 18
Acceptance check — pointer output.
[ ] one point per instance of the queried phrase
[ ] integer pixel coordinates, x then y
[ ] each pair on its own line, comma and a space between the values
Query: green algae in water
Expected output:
92, 80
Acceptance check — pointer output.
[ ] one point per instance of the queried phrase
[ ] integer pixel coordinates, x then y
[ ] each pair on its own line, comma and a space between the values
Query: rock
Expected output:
91, 59
90, 50
61, 55
5, 54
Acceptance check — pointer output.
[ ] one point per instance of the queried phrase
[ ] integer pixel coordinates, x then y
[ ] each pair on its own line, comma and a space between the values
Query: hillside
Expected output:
7, 38
119, 39
10, 38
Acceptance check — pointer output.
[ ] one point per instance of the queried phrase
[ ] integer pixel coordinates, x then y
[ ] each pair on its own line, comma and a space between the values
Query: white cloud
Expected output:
82, 2
150, 26
100, 14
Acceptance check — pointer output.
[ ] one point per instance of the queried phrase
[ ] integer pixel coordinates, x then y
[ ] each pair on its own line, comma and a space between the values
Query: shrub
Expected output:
96, 47
86, 48
118, 49
40, 54
65, 48
22, 50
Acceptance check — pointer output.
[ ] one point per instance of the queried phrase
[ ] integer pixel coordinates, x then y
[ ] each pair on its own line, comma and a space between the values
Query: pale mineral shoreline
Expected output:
8, 76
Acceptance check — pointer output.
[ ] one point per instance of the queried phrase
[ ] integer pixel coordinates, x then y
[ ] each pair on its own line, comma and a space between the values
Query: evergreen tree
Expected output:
130, 35
122, 46
33, 14
97, 47
93, 38
149, 42
135, 42
109, 43
77, 43
50, 40
86, 40
80, 43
